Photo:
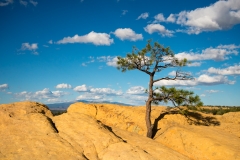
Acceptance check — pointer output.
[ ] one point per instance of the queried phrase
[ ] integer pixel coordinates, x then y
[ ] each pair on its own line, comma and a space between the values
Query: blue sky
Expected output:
66, 51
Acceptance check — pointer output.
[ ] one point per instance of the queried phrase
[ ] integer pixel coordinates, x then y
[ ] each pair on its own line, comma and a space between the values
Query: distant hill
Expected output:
64, 106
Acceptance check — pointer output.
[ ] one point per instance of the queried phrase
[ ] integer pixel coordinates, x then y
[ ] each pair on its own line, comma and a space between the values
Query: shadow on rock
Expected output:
197, 119
193, 118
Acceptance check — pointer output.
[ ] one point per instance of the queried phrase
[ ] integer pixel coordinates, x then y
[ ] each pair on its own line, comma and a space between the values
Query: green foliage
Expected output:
152, 58
178, 97
155, 58
58, 112
216, 110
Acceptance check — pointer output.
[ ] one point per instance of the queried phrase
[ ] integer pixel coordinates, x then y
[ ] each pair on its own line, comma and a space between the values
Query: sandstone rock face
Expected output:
198, 136
28, 130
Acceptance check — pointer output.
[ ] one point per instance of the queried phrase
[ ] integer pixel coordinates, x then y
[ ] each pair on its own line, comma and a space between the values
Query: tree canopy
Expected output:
150, 60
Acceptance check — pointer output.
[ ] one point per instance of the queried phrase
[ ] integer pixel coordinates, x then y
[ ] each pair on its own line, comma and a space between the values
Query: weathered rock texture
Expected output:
197, 136
104, 131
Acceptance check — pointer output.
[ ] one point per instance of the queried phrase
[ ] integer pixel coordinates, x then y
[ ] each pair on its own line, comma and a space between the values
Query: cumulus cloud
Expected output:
92, 37
219, 53
151, 28
159, 18
63, 86
231, 70
31, 47
110, 60
137, 99
105, 91
136, 90
90, 97
3, 87
82, 88
213, 80
6, 2
221, 15
201, 80
39, 95
127, 34
171, 18
143, 16
50, 41
173, 73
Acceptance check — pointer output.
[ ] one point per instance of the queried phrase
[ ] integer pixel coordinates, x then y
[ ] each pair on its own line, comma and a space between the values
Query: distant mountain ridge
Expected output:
65, 105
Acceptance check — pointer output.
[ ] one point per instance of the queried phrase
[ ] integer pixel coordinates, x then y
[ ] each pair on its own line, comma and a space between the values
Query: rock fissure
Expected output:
110, 129
106, 131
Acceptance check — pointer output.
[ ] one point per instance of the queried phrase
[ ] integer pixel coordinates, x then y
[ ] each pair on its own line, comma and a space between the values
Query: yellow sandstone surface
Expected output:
28, 130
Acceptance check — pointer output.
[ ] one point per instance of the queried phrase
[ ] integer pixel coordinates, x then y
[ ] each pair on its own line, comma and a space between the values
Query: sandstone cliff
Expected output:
28, 130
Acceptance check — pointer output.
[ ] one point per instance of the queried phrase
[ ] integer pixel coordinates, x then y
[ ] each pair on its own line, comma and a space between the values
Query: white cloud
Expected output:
229, 47
63, 85
39, 95
202, 95
3, 87
201, 80
222, 15
50, 41
6, 2
176, 83
143, 16
173, 73
124, 12
219, 53
31, 47
194, 64
33, 2
159, 18
106, 91
151, 28
213, 80
231, 70
136, 90
127, 34
171, 18
23, 2
90, 97
84, 65
137, 98
212, 91
110, 60
82, 88
92, 37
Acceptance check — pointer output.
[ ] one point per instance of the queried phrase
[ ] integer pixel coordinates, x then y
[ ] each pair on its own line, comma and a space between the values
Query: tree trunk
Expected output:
148, 118
148, 108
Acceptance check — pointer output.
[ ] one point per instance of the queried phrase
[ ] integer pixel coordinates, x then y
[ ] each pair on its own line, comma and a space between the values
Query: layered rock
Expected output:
29, 131
197, 136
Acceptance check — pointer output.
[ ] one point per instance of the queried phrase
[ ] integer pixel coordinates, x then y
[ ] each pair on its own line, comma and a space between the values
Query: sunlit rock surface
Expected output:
28, 130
